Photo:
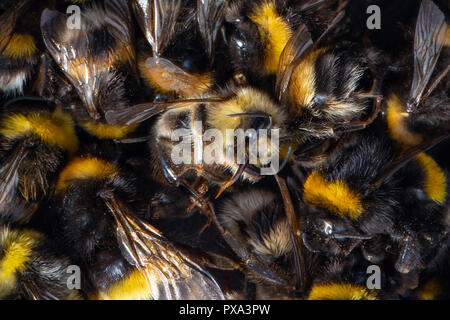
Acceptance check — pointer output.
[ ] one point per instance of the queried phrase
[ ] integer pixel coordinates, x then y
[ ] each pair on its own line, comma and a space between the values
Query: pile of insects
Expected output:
338, 188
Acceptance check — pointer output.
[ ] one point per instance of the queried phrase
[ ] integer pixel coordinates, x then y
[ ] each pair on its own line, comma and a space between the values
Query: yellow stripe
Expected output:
430, 290
17, 251
447, 37
106, 131
20, 46
340, 291
85, 168
335, 196
56, 129
303, 80
134, 287
396, 121
275, 32
435, 185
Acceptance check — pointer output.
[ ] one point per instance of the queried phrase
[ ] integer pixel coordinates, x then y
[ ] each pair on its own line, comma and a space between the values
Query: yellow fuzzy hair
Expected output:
396, 121
430, 290
166, 81
133, 287
302, 85
20, 46
106, 131
334, 196
340, 291
55, 129
17, 250
275, 32
246, 100
435, 184
85, 168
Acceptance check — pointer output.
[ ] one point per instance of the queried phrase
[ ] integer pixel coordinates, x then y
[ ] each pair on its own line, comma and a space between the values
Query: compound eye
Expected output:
327, 227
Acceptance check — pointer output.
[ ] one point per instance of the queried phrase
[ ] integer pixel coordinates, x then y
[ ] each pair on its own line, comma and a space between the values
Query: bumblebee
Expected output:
36, 139
123, 257
93, 57
243, 108
256, 220
425, 108
29, 269
373, 189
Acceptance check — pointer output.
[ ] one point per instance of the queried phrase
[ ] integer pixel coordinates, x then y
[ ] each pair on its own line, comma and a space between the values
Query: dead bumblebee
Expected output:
256, 221
36, 138
370, 189
93, 57
122, 256
30, 270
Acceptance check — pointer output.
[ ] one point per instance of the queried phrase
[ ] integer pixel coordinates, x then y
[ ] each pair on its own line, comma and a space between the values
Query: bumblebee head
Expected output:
249, 113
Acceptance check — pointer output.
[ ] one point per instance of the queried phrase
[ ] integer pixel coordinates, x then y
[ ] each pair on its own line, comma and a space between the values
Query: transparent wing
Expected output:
9, 178
120, 20
297, 46
315, 5
72, 51
428, 41
141, 112
157, 19
170, 274
210, 15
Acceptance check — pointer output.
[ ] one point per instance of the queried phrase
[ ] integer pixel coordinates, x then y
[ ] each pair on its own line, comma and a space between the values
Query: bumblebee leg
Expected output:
233, 179
206, 207
360, 125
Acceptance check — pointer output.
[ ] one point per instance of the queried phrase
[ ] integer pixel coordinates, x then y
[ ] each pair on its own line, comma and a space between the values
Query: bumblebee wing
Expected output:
210, 15
428, 41
8, 21
141, 112
170, 77
157, 19
169, 273
120, 20
71, 50
34, 292
403, 159
296, 47
315, 5
9, 178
